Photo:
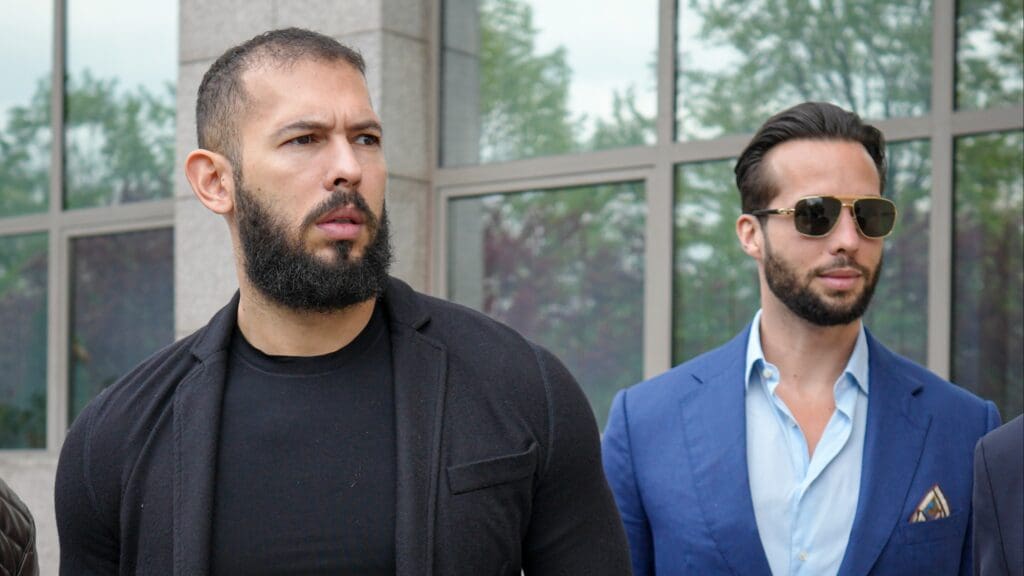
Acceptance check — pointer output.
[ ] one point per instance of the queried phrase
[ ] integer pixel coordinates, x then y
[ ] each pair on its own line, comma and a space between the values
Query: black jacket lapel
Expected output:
420, 366
197, 406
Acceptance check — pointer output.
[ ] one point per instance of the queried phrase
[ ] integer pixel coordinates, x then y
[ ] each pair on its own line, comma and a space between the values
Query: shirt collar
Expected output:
856, 366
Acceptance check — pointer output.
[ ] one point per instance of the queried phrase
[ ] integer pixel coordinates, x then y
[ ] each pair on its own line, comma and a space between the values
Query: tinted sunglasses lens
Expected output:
875, 216
816, 216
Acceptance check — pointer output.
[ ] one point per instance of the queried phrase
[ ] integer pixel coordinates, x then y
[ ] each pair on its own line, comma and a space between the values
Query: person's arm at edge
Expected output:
618, 466
88, 545
982, 493
574, 526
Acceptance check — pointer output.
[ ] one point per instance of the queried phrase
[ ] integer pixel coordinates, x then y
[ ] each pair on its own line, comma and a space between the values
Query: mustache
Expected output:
339, 200
842, 261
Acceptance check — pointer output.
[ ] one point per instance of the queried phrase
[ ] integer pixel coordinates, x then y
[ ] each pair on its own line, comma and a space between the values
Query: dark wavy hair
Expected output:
807, 121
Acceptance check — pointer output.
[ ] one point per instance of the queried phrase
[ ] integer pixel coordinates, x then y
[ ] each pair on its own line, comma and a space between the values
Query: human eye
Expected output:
303, 140
368, 140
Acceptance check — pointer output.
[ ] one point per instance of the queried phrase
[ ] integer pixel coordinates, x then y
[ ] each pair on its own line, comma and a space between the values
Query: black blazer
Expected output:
998, 509
498, 469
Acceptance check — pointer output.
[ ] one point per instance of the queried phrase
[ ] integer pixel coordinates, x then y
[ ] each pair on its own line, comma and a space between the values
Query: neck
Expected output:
279, 331
807, 355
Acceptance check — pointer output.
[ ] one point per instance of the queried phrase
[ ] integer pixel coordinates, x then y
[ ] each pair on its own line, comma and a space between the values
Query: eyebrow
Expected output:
318, 126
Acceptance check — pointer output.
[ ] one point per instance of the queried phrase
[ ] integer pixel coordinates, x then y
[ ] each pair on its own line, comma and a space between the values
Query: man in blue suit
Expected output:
803, 446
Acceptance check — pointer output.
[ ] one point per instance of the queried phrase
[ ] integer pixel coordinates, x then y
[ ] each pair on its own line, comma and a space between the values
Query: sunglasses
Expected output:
816, 216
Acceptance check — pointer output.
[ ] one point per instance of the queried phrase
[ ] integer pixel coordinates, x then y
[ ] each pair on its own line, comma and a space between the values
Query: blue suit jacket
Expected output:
675, 453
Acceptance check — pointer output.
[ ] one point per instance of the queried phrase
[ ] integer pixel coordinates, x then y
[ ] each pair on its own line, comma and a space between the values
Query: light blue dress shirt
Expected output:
804, 507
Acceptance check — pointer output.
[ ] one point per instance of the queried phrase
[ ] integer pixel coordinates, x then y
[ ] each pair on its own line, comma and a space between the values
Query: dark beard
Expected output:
285, 272
803, 302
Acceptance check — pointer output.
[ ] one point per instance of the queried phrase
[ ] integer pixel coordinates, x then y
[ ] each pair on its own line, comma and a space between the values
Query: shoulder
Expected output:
106, 437
1003, 445
726, 360
466, 334
930, 388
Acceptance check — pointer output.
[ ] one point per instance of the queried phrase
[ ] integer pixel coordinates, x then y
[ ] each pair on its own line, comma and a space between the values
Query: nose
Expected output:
845, 237
343, 169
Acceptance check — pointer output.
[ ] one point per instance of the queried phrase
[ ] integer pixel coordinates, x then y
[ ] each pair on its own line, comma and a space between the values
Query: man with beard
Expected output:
329, 419
803, 446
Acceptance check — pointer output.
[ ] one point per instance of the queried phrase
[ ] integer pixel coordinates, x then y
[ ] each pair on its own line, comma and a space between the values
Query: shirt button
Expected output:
768, 373
803, 556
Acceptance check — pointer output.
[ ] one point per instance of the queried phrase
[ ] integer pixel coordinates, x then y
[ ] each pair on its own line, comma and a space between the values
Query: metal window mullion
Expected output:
57, 293
940, 240
658, 269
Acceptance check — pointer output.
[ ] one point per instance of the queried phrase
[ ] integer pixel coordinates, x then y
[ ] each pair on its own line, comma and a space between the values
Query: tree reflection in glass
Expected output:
23, 312
988, 268
741, 62
990, 53
25, 57
563, 267
119, 126
122, 308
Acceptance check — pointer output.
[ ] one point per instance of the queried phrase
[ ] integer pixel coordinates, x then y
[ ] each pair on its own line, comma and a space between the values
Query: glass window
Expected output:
898, 315
741, 62
119, 112
988, 283
715, 286
990, 53
23, 286
566, 269
26, 41
525, 78
122, 296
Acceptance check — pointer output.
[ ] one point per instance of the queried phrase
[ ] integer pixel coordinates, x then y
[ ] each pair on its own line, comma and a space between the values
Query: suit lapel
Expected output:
893, 443
197, 408
197, 405
420, 373
715, 427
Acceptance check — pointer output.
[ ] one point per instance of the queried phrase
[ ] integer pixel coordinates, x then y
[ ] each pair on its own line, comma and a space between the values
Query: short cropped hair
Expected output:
222, 99
807, 121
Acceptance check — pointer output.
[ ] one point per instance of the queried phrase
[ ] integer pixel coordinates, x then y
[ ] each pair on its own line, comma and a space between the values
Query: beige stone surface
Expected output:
411, 216
208, 28
204, 267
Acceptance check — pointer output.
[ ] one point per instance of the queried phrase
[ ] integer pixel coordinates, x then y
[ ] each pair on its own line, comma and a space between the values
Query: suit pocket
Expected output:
464, 478
952, 527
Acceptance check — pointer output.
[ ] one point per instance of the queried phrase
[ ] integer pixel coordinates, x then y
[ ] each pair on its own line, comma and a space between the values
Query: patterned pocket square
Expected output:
932, 507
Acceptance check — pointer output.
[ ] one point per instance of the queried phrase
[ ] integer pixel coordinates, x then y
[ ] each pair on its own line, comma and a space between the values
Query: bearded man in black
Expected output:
329, 419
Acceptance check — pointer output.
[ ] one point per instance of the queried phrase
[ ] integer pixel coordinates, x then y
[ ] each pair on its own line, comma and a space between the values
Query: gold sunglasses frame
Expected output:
845, 202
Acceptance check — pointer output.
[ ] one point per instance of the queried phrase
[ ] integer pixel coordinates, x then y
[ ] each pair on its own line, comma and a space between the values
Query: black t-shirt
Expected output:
305, 480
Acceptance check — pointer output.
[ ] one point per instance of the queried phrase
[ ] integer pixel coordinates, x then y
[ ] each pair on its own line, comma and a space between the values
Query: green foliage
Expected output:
990, 53
565, 267
25, 155
23, 311
715, 287
524, 96
119, 145
989, 255
872, 57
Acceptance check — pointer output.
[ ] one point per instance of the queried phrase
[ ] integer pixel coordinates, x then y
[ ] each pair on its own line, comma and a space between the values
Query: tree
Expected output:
119, 147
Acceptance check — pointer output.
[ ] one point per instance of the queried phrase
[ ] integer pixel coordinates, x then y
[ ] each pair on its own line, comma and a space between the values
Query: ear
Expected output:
750, 234
212, 180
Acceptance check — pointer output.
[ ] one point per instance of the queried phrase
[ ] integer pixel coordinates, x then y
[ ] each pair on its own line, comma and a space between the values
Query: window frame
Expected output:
940, 126
62, 226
